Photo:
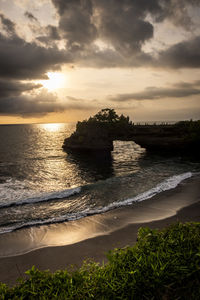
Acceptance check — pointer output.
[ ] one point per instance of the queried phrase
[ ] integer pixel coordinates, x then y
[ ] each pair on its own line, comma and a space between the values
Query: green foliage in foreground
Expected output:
162, 265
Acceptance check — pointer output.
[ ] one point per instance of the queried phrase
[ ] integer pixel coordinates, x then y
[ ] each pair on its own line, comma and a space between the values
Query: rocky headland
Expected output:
98, 133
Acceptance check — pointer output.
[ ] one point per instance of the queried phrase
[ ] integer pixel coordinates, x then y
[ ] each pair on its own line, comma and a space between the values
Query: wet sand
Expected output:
58, 246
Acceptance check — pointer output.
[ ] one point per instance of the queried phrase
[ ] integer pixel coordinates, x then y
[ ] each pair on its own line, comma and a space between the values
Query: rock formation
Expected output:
98, 133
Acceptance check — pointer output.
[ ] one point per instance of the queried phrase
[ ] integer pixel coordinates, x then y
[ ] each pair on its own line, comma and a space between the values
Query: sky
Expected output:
64, 60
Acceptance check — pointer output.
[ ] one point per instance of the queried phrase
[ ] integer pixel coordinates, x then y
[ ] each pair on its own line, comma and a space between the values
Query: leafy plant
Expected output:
163, 265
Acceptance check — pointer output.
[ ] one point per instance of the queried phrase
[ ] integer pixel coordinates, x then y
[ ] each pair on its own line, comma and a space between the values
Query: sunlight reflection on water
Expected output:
33, 167
52, 126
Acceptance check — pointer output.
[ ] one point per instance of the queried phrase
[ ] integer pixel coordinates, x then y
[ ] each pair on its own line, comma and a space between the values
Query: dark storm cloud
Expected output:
30, 105
124, 26
50, 36
7, 24
52, 32
179, 90
9, 88
26, 99
181, 55
40, 104
122, 23
75, 22
22, 60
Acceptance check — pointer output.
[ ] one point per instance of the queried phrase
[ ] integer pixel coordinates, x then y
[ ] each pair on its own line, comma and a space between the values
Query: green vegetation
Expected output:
104, 122
98, 132
109, 115
162, 265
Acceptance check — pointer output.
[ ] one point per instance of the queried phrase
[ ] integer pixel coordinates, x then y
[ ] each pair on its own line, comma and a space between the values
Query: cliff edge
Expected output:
98, 133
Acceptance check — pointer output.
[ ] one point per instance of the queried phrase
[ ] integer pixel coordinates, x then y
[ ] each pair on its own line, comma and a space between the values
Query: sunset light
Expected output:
51, 126
60, 62
99, 137
55, 81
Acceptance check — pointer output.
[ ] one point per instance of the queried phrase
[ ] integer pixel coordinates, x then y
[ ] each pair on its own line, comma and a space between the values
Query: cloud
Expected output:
27, 60
49, 37
22, 60
81, 104
46, 35
75, 22
121, 23
178, 12
29, 99
10, 87
7, 24
185, 85
122, 29
30, 16
52, 32
185, 54
109, 58
179, 90
26, 99
123, 26
38, 104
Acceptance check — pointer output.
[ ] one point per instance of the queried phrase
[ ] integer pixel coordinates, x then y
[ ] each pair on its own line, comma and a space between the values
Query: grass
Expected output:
162, 265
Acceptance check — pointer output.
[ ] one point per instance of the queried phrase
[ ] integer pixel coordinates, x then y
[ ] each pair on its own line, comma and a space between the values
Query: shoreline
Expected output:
72, 242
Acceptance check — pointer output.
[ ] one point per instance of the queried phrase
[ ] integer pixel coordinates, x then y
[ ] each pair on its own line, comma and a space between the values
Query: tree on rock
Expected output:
98, 132
106, 115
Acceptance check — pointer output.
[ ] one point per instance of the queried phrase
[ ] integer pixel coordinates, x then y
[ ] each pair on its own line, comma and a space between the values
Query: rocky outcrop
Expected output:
183, 137
95, 136
99, 132
93, 140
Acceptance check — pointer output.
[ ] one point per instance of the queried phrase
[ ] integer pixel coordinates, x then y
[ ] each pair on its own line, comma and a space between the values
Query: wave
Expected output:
165, 185
43, 197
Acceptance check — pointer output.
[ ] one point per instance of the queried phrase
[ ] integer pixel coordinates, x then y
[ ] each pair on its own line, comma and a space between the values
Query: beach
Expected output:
58, 246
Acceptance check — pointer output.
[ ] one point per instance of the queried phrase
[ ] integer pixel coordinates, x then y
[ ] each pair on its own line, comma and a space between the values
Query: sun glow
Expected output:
51, 126
55, 81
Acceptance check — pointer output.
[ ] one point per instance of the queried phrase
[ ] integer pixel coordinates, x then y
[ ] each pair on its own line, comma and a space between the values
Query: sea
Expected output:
42, 184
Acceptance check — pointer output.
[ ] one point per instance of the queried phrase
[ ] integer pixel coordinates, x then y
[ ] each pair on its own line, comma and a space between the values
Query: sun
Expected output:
56, 81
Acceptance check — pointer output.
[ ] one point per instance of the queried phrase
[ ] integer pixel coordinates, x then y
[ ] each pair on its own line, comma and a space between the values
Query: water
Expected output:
41, 184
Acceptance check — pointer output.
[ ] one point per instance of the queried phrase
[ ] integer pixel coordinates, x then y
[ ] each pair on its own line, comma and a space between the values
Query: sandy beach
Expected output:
58, 246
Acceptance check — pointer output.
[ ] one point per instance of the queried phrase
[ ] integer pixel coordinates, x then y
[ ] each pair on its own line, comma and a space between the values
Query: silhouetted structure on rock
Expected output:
98, 133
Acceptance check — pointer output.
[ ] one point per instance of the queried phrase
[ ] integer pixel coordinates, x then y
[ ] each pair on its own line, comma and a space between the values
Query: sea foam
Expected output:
165, 185
42, 197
